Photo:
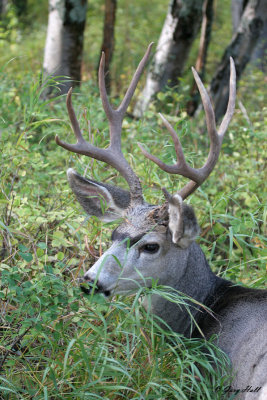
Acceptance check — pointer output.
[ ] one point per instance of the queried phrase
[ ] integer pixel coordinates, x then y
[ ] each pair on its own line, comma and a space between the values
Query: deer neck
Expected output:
198, 282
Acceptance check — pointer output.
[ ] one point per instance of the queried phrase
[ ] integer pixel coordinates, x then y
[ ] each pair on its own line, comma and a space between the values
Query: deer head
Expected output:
154, 241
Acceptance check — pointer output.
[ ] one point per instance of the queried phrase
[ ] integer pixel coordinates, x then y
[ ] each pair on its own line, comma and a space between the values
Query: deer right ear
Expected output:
182, 222
107, 202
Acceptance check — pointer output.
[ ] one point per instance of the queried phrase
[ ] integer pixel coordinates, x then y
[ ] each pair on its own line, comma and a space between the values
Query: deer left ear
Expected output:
107, 202
182, 222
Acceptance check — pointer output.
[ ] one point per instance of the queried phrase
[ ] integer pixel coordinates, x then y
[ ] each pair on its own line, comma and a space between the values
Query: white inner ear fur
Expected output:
99, 194
184, 230
109, 209
175, 217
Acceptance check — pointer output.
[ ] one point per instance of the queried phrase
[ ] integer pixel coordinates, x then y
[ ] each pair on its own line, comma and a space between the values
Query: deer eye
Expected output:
150, 248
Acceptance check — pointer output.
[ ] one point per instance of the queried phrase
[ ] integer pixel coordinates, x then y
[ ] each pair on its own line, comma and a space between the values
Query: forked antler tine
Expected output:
115, 117
176, 141
75, 127
198, 176
216, 138
81, 146
130, 91
178, 149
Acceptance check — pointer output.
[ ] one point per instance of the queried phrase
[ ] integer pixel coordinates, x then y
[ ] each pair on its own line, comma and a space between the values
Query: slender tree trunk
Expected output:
64, 43
205, 37
241, 48
108, 38
180, 28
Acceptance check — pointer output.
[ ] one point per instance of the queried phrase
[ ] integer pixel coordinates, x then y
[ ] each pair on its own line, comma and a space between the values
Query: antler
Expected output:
198, 176
111, 155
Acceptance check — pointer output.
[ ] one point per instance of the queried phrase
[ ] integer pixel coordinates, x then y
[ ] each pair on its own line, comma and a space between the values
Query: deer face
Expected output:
126, 265
145, 246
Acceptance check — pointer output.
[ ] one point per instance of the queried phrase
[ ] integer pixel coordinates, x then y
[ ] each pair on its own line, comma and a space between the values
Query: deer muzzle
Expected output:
89, 286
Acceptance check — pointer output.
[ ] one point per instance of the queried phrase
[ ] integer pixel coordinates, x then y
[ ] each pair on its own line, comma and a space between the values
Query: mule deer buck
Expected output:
158, 242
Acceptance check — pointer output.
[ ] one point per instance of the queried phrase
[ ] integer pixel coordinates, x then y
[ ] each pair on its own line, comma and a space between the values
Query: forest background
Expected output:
55, 342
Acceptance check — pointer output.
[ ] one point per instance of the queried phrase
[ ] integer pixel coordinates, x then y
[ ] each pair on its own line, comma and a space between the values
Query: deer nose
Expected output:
87, 285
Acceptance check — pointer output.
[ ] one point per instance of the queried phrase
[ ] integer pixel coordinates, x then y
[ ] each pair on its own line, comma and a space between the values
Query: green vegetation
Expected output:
56, 343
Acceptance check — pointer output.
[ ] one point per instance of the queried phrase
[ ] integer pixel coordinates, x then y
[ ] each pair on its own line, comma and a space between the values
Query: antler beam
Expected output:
111, 155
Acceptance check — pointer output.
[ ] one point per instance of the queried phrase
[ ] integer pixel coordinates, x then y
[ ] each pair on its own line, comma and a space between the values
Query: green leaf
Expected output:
40, 252
26, 256
23, 248
60, 255
42, 245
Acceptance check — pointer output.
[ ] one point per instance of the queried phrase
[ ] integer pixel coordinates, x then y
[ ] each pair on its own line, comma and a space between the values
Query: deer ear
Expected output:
102, 200
182, 222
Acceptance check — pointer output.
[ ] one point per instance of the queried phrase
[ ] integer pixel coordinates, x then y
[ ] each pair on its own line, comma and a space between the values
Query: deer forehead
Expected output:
140, 220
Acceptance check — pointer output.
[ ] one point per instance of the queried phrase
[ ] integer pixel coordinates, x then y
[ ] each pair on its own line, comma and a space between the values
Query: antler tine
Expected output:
181, 165
231, 102
198, 176
72, 117
81, 146
111, 155
130, 91
115, 117
74, 124
209, 113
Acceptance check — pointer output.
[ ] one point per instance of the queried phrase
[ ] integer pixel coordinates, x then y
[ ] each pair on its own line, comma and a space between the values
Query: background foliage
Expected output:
54, 342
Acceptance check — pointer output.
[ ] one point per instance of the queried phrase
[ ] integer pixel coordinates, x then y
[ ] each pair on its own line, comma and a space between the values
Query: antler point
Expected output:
167, 195
68, 99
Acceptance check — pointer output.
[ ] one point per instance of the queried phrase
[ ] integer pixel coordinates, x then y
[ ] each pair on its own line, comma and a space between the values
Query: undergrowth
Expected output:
56, 343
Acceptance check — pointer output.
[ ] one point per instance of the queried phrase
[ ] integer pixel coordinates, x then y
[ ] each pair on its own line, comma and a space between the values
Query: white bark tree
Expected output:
259, 54
180, 28
64, 43
237, 8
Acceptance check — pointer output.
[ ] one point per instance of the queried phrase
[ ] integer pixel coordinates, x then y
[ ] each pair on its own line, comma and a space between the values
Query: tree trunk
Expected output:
64, 43
180, 28
3, 6
237, 8
259, 56
20, 7
241, 48
108, 38
205, 37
